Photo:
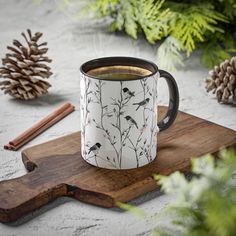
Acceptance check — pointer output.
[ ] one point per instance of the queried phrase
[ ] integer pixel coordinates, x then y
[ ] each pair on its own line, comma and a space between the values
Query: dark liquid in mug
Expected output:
117, 76
119, 72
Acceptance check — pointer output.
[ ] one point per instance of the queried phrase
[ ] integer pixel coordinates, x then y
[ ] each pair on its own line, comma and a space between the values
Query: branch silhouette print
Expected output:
101, 124
119, 111
119, 124
143, 148
86, 98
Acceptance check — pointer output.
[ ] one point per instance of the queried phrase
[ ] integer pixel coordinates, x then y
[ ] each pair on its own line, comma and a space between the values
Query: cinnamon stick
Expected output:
40, 126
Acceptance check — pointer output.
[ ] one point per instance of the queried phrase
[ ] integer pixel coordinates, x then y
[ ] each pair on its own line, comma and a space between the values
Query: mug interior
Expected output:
127, 65
133, 70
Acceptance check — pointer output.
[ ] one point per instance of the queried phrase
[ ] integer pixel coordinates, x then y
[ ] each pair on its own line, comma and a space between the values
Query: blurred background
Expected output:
187, 38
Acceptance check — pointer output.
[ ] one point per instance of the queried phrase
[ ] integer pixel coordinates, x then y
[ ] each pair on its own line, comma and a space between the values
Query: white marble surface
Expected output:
71, 43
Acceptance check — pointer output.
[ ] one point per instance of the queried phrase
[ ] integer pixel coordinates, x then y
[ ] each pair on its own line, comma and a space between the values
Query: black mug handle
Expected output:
172, 111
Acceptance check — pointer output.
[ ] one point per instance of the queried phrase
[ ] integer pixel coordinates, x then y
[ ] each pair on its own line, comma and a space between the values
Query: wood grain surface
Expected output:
56, 168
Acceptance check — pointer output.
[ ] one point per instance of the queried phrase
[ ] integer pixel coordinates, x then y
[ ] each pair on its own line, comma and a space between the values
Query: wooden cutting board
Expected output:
56, 168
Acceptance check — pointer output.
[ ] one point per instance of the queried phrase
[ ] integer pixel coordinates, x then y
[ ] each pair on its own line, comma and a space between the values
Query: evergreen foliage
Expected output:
183, 25
205, 205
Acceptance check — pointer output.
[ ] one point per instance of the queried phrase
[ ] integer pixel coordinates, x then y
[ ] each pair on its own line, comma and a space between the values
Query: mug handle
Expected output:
172, 111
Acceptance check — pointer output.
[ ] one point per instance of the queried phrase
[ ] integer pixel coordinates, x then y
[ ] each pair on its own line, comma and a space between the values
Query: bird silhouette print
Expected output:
131, 121
128, 93
142, 103
95, 148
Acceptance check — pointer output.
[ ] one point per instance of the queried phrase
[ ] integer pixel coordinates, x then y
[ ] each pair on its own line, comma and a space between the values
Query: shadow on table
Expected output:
40, 211
63, 200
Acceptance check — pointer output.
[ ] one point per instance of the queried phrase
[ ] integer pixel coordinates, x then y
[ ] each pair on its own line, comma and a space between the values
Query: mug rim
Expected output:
121, 61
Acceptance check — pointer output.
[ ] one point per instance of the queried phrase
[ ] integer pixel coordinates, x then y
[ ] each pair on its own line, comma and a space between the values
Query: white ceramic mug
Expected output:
119, 117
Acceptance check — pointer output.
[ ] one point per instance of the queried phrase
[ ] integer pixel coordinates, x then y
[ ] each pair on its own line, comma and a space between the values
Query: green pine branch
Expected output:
145, 16
205, 205
217, 49
169, 54
192, 23
180, 26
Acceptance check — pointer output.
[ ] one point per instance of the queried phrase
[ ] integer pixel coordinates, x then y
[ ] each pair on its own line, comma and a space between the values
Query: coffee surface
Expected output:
119, 72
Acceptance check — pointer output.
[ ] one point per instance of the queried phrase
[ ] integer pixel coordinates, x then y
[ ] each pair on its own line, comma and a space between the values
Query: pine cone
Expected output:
223, 81
23, 68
